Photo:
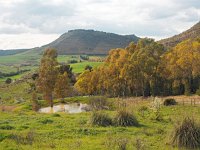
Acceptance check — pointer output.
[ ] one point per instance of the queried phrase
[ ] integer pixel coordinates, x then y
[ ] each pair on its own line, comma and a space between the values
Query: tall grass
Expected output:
98, 103
186, 134
125, 118
100, 119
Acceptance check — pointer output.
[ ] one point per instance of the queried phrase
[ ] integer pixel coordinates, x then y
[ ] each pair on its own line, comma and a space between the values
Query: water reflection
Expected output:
68, 108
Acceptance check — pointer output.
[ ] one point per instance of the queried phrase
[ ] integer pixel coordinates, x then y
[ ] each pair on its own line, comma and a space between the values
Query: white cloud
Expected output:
20, 41
152, 18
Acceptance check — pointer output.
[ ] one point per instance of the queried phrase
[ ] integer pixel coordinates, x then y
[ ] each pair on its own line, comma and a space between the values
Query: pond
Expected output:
68, 108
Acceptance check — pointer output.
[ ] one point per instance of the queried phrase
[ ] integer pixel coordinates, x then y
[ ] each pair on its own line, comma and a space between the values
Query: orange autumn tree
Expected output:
182, 65
129, 71
48, 74
145, 69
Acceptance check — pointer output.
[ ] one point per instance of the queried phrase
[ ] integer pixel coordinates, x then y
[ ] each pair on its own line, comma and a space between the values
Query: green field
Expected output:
25, 57
9, 64
25, 129
66, 58
79, 67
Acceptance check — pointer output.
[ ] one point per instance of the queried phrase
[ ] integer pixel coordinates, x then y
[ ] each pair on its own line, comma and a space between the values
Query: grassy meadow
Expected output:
21, 128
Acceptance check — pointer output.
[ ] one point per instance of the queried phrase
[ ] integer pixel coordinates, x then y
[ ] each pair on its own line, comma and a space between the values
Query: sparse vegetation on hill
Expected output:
192, 33
11, 52
89, 42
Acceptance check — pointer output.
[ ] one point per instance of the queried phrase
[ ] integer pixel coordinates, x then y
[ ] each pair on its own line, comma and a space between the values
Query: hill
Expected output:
89, 42
193, 32
11, 52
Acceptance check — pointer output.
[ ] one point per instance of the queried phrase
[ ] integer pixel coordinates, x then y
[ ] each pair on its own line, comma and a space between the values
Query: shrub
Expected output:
186, 134
169, 101
98, 103
88, 67
125, 118
8, 80
116, 142
122, 143
100, 119
156, 104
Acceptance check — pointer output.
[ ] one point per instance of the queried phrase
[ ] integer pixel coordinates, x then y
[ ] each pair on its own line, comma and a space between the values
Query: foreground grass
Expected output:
24, 129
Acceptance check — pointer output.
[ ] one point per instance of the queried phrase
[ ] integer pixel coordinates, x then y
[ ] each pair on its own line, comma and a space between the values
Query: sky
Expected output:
33, 23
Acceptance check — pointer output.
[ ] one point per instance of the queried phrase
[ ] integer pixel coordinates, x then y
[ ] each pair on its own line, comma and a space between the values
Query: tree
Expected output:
66, 68
145, 69
129, 71
143, 65
88, 67
182, 65
35, 104
48, 72
62, 86
82, 84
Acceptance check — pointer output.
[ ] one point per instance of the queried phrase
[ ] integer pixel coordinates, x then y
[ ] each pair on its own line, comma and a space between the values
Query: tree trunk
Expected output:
51, 100
187, 87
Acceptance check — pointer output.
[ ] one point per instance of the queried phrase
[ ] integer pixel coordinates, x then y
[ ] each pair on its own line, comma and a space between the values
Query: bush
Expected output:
169, 102
8, 81
122, 143
116, 142
88, 67
186, 134
98, 103
100, 119
125, 118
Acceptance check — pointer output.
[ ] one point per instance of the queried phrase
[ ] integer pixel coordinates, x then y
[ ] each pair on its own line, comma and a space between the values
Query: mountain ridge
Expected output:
81, 41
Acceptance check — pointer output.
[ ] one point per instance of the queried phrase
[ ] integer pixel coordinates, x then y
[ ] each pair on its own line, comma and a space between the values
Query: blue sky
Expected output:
32, 23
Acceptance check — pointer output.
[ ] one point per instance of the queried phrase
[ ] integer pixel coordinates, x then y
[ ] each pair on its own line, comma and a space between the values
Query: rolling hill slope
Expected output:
193, 32
89, 42
11, 52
